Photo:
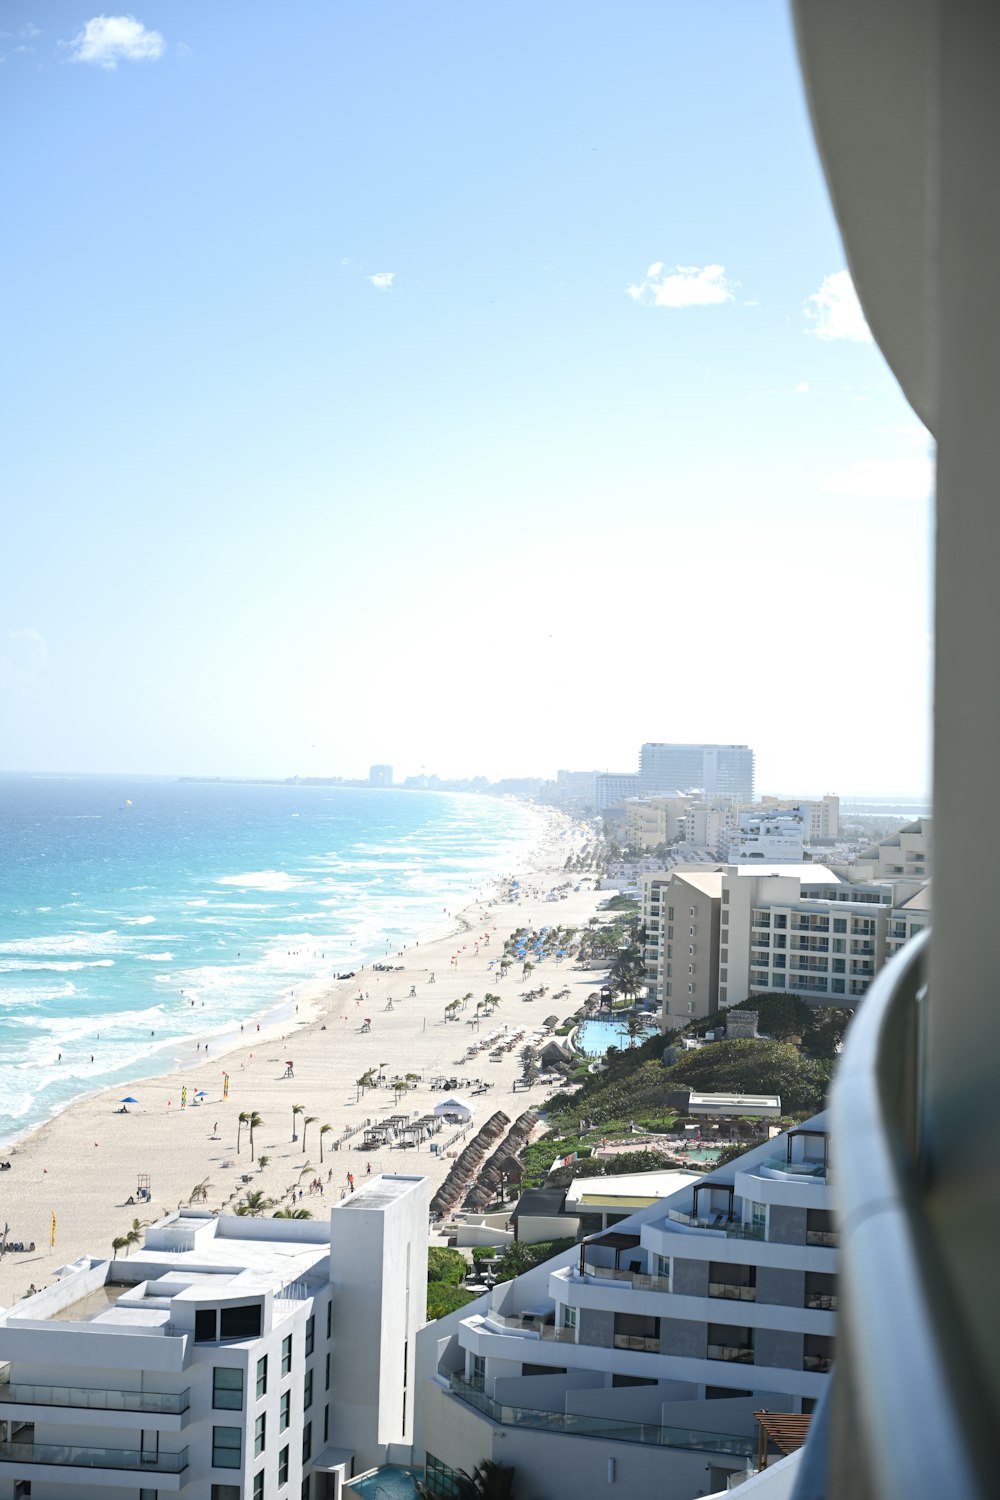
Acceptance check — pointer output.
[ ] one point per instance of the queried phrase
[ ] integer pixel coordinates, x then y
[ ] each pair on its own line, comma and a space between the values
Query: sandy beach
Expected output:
84, 1165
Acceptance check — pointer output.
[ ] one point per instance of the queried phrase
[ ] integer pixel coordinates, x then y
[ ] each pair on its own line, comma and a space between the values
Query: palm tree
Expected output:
491, 1002
297, 1109
254, 1122
635, 1029
262, 1162
493, 1481
253, 1205
306, 1122
134, 1235
292, 1213
118, 1243
323, 1130
244, 1119
526, 968
465, 999
199, 1193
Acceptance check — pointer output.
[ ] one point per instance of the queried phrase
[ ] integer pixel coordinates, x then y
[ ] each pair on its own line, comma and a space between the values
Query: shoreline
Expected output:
280, 1014
408, 1033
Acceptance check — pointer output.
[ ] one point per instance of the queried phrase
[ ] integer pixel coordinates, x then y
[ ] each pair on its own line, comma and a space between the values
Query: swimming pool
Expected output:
704, 1153
595, 1037
388, 1483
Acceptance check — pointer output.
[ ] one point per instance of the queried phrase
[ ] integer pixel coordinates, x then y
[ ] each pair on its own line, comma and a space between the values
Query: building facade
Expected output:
227, 1359
612, 788
713, 770
660, 1338
791, 929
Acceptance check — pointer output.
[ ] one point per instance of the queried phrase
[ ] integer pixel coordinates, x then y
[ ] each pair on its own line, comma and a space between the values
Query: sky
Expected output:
474, 388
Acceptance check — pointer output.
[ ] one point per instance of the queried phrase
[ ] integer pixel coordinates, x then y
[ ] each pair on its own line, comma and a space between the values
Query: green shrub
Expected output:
484, 1252
443, 1298
447, 1266
517, 1257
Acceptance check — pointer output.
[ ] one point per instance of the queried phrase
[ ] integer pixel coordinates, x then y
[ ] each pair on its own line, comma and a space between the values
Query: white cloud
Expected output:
382, 279
835, 312
105, 40
801, 389
684, 286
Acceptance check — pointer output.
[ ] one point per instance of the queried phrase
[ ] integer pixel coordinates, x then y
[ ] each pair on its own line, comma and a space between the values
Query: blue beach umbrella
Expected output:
129, 1099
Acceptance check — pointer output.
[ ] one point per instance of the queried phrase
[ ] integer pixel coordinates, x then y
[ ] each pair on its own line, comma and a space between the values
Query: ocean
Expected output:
137, 914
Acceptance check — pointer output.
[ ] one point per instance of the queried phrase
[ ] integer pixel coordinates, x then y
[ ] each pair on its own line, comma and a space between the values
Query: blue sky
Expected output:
355, 409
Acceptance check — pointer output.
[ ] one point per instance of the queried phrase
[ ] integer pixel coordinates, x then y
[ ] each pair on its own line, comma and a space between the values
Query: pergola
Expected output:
612, 1240
786, 1430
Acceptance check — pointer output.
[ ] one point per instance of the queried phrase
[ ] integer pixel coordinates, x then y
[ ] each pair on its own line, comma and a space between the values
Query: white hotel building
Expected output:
228, 1359
638, 1358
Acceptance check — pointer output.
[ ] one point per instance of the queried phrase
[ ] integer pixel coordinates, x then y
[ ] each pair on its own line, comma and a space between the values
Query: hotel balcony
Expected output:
576, 1424
87, 1398
114, 1467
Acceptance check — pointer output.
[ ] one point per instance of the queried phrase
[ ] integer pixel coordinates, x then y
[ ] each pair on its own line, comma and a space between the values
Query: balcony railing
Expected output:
639, 1280
732, 1228
644, 1343
70, 1456
740, 1354
162, 1403
822, 1301
732, 1292
620, 1430
517, 1323
828, 1238
820, 1363
817, 1170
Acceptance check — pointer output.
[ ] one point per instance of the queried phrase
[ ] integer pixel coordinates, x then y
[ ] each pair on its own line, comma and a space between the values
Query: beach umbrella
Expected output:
201, 1094
129, 1099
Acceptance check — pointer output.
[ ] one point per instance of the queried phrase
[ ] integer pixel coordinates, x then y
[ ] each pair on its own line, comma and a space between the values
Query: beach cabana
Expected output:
454, 1108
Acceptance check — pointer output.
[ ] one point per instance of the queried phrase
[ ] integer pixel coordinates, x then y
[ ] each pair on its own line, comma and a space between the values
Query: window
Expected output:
692, 911
143, 1494
258, 1485
310, 1335
569, 1317
240, 1322
227, 1445
260, 1433
477, 1372
326, 1383
226, 1492
206, 1320
227, 1389
307, 1391
326, 1424
329, 1319
304, 1492
285, 1413
840, 924
307, 1442
670, 914
262, 1377
286, 1354
283, 1466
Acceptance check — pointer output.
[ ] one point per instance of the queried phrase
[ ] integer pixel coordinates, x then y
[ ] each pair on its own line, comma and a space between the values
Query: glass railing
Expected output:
642, 1342
822, 1301
815, 1169
640, 1280
68, 1455
164, 1403
732, 1228
517, 1323
829, 1238
619, 1429
740, 1354
732, 1292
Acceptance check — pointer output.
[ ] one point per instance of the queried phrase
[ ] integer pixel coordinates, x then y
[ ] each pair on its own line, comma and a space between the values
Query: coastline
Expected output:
179, 1148
293, 1001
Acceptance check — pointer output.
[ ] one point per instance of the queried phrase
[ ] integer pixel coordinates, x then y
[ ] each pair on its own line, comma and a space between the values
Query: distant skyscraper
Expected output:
380, 776
718, 770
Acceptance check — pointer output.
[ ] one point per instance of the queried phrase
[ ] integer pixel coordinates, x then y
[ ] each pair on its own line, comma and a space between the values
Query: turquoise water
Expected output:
704, 1153
137, 913
390, 1483
595, 1037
